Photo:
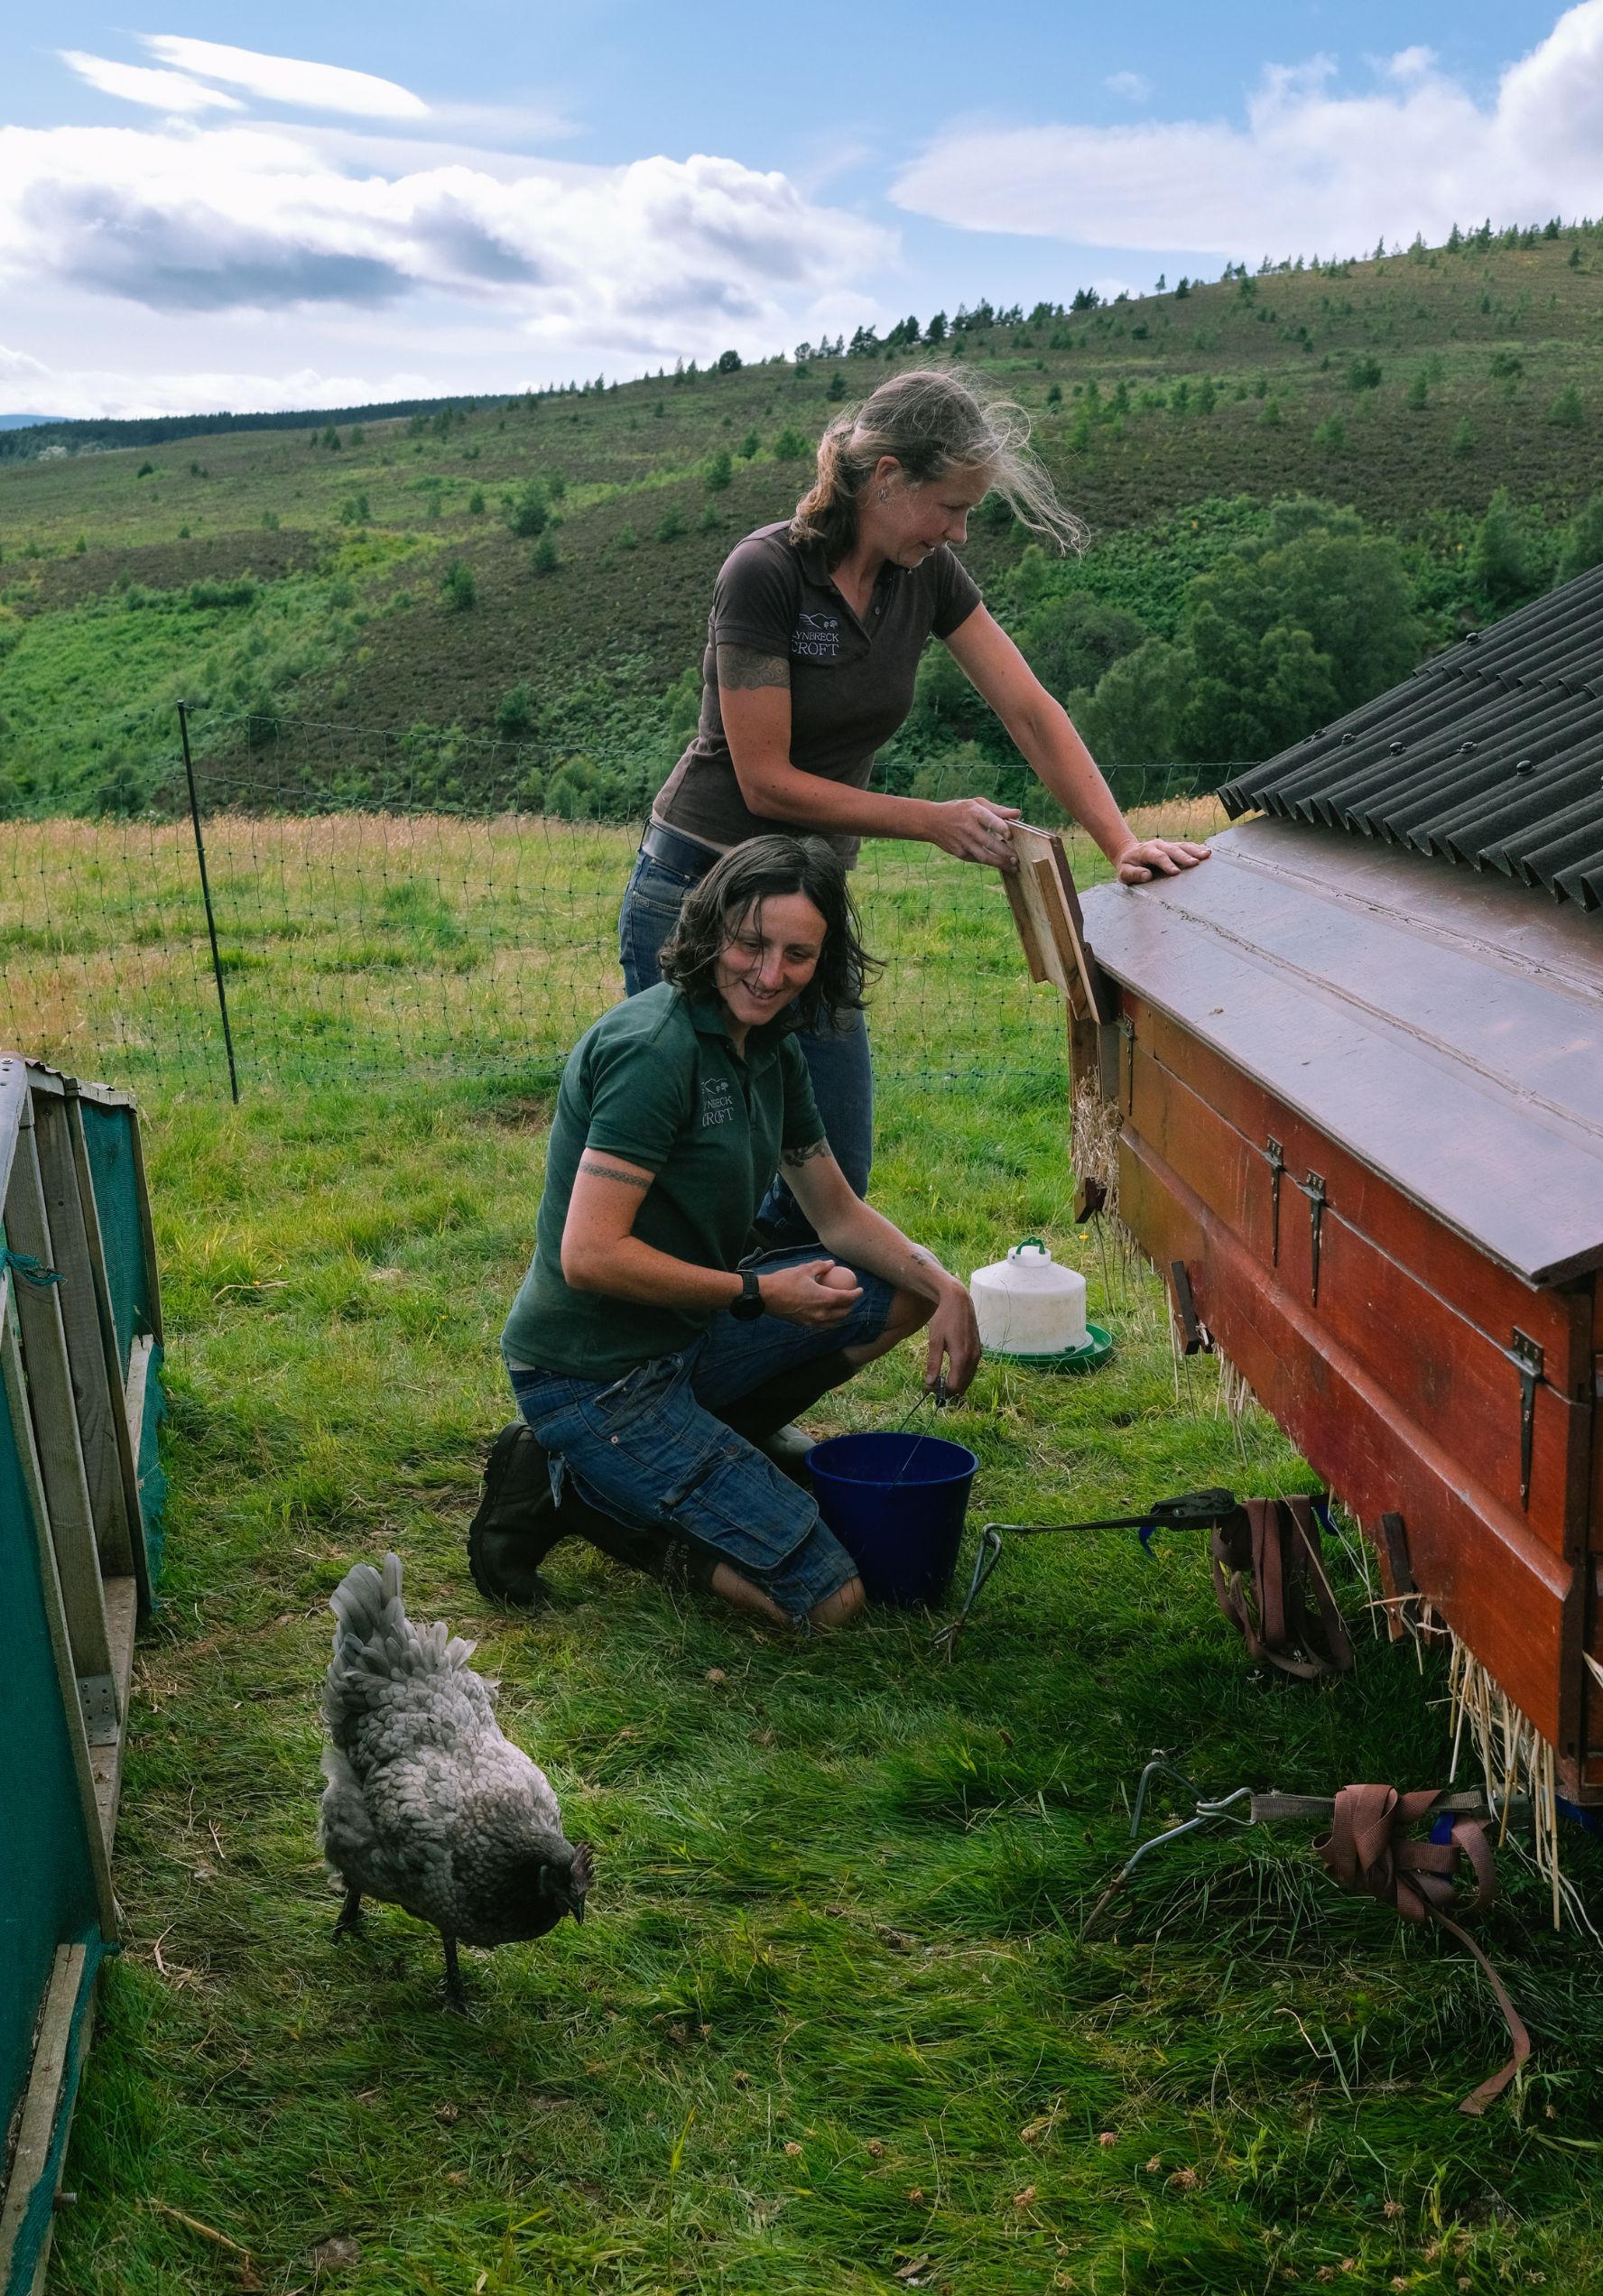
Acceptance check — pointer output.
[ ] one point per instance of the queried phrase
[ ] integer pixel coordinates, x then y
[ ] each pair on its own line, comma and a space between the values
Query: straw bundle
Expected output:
1096, 1134
1514, 1758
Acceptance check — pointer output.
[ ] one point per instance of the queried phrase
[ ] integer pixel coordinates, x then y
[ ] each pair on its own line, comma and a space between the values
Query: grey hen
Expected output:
428, 1806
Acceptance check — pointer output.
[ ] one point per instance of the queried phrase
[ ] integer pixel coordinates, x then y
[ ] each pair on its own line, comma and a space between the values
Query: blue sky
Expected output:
256, 207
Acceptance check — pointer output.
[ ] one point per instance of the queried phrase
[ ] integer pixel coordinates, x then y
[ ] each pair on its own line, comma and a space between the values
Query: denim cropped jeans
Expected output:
646, 1449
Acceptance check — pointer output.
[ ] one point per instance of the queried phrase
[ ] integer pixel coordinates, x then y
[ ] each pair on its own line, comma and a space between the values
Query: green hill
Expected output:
301, 575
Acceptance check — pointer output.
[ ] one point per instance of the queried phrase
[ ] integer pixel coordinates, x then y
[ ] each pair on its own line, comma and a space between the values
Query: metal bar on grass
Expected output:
216, 962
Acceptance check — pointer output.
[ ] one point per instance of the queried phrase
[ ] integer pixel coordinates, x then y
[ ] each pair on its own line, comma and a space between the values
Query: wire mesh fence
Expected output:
389, 905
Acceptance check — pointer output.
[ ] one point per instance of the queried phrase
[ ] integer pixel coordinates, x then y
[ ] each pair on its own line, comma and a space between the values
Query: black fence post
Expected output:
216, 962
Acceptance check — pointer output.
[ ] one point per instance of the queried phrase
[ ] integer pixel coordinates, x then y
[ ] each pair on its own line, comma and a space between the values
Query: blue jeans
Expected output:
646, 1449
838, 1060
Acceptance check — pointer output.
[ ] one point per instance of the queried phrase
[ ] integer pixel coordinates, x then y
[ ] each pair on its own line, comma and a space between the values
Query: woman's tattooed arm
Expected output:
740, 668
598, 1170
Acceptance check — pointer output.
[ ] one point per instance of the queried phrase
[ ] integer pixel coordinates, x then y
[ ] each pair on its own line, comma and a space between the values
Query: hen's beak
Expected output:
576, 1905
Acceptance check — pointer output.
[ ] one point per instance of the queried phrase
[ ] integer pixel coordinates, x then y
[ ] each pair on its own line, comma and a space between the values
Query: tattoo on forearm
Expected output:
925, 1260
742, 667
805, 1156
642, 1181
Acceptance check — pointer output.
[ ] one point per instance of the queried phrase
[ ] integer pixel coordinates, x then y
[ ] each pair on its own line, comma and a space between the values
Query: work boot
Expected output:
516, 1524
764, 1415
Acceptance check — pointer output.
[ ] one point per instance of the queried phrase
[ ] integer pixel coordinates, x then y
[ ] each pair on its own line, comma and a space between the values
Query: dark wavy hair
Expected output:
742, 880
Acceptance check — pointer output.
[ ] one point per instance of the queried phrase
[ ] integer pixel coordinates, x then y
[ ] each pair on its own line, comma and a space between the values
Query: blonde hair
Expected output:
932, 423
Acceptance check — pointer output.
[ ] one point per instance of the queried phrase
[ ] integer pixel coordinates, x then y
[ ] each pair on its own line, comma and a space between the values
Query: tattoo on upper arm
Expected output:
596, 1171
742, 667
805, 1156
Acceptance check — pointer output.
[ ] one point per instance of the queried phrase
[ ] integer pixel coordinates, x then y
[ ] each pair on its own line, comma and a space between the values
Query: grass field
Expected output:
370, 942
837, 2021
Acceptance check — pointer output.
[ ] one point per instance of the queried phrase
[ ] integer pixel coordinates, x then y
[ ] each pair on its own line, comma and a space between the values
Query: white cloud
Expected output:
17, 369
1311, 168
1410, 63
1129, 84
163, 91
83, 394
633, 264
287, 79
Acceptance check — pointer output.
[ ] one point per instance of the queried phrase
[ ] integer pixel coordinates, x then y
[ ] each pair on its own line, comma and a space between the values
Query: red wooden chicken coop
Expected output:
1354, 1065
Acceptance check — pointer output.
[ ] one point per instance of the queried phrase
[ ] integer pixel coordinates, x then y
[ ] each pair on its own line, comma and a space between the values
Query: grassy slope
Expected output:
634, 617
834, 2011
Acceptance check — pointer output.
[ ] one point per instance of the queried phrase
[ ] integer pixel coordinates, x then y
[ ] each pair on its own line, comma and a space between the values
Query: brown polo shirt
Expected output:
851, 680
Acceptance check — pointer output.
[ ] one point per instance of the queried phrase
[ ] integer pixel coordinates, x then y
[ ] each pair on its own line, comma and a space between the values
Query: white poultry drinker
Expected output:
1032, 1310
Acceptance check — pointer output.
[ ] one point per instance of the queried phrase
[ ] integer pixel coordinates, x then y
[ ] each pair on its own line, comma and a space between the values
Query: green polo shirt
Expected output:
658, 1082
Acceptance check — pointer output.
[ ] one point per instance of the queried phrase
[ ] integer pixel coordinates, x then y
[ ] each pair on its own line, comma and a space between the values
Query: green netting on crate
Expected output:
153, 1478
108, 1136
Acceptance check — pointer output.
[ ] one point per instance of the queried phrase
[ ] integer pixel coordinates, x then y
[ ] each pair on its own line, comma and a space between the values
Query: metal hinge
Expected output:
1526, 1356
1199, 1340
1314, 1188
97, 1695
1274, 1157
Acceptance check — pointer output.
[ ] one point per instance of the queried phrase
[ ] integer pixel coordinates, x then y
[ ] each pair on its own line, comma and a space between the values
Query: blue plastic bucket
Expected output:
903, 1535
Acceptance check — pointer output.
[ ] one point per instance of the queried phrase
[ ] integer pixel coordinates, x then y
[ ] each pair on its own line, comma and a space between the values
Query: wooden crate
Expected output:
80, 1393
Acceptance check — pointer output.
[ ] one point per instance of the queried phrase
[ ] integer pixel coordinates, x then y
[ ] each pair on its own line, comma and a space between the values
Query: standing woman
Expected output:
814, 645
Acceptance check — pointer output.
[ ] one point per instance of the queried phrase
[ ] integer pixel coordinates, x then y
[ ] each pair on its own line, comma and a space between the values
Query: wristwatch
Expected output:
750, 1303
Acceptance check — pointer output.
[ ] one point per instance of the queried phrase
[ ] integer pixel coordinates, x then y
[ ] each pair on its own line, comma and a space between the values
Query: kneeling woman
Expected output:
647, 1343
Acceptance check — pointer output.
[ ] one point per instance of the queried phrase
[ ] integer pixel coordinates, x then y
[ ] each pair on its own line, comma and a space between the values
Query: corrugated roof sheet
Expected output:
1490, 753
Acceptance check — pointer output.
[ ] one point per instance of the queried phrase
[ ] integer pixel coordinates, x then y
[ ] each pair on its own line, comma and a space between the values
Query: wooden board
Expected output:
106, 1762
13, 1108
93, 1393
1447, 1034
43, 2102
55, 1419
1046, 913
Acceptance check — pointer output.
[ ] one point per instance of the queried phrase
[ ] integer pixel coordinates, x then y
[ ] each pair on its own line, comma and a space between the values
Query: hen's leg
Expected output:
350, 1912
455, 1996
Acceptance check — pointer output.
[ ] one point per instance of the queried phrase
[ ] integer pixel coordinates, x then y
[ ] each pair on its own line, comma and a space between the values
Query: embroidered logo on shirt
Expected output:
717, 1102
816, 637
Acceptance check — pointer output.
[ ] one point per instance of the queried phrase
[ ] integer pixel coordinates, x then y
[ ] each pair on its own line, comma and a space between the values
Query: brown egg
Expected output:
839, 1279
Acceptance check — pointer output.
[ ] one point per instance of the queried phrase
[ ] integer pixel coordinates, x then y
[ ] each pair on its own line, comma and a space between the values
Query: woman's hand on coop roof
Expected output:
1145, 858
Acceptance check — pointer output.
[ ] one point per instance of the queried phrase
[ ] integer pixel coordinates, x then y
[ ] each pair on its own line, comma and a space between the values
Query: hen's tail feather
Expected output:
373, 1636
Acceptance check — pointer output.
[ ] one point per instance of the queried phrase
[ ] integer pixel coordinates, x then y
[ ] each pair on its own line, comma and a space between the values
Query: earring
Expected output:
885, 493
